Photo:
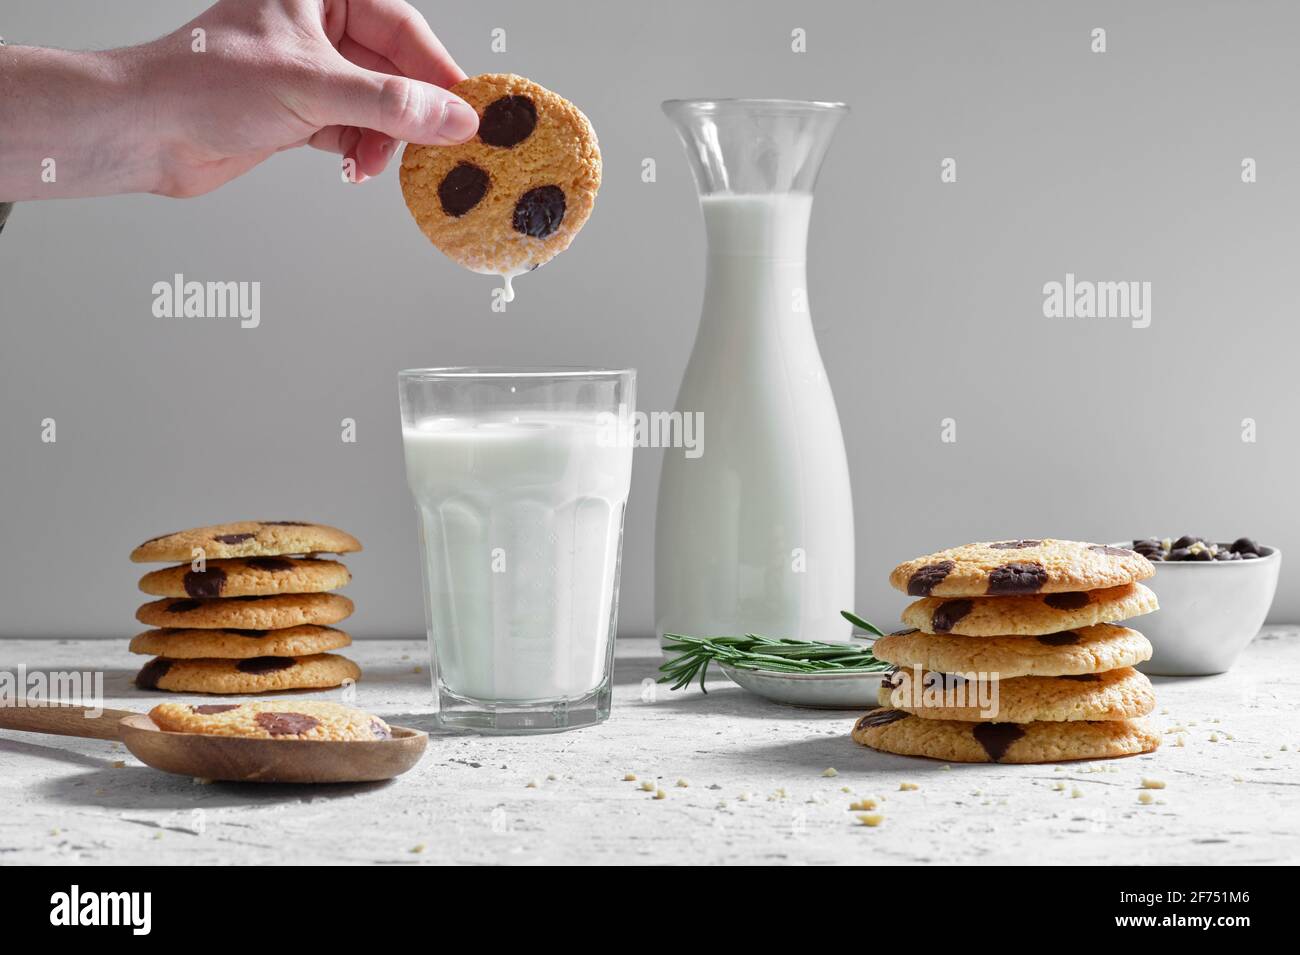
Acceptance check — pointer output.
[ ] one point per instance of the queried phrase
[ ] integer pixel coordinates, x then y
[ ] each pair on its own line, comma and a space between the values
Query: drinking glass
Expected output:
520, 479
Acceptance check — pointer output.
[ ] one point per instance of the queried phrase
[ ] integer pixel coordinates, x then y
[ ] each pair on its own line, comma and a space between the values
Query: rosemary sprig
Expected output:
772, 654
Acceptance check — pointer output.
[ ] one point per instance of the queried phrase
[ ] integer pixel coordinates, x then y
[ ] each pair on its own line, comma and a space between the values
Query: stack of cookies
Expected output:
1015, 655
250, 610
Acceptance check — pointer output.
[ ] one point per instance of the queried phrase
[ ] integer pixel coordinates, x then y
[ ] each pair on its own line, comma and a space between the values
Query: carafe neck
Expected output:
772, 226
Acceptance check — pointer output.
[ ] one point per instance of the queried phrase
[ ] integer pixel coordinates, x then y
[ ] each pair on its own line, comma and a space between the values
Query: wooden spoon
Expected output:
232, 758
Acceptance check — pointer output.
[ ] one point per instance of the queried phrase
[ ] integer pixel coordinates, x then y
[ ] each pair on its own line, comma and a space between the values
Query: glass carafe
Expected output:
755, 533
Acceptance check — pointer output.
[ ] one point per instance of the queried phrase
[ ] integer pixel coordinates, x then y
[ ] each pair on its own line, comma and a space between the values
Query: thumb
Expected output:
398, 106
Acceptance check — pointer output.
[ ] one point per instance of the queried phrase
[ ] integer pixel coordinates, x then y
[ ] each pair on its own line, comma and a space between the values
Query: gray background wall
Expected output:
926, 297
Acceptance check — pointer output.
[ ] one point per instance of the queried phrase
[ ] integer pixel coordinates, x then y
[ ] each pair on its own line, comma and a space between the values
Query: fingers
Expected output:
399, 33
366, 58
397, 106
371, 151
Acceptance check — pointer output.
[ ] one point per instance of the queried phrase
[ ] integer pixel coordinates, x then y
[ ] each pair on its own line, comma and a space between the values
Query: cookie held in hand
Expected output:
514, 196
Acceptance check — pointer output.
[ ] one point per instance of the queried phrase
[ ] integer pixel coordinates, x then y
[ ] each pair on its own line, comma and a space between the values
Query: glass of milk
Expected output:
520, 479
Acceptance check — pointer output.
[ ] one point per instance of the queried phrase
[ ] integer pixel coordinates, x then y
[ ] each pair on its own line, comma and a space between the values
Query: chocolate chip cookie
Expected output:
515, 195
271, 719
955, 741
246, 539
1015, 567
254, 675
228, 644
1114, 695
1065, 653
273, 612
247, 577
1029, 615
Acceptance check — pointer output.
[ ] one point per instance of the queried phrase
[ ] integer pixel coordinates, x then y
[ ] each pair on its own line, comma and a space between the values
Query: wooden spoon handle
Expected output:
62, 720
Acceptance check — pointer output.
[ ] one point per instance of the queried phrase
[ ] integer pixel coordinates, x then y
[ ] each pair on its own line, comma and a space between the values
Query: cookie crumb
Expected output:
629, 777
531, 784
1059, 787
1214, 737
871, 819
830, 771
417, 848
908, 787
119, 764
1145, 798
647, 786
862, 804
1076, 793
1149, 783
683, 784
660, 794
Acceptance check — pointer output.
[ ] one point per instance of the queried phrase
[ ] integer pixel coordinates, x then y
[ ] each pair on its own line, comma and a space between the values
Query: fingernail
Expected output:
459, 121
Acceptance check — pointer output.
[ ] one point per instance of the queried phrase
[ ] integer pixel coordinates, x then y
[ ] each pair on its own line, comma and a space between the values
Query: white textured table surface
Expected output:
756, 791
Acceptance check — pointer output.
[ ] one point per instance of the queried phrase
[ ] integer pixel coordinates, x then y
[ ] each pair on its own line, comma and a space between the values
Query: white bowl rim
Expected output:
821, 676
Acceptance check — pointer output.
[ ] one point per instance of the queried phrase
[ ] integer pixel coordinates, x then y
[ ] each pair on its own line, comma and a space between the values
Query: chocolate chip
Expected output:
947, 614
233, 538
924, 580
539, 211
284, 523
273, 564
380, 730
183, 606
881, 717
904, 632
286, 724
208, 583
1071, 601
1020, 578
152, 672
1244, 545
508, 121
1109, 551
207, 709
462, 189
1065, 638
1083, 677
261, 665
996, 738
1187, 540
1014, 545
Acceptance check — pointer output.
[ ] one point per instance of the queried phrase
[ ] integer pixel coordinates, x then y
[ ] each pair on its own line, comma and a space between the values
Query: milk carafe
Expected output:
755, 532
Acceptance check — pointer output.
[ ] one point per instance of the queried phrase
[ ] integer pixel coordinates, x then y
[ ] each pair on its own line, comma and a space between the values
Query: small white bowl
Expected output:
1209, 612
826, 690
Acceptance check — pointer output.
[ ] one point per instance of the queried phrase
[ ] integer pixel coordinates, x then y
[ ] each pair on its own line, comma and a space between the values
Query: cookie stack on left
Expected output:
248, 608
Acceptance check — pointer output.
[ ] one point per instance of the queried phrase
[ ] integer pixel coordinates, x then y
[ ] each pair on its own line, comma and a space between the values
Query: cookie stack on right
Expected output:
1020, 647
250, 611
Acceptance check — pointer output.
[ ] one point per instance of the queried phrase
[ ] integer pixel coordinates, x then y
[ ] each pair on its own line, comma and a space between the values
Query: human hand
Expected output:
353, 77
246, 79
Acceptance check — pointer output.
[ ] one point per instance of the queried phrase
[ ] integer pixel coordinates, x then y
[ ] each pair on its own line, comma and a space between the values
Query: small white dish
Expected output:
824, 691
1209, 612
